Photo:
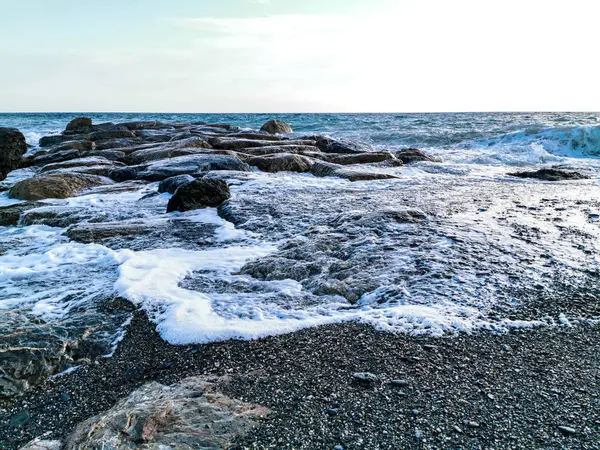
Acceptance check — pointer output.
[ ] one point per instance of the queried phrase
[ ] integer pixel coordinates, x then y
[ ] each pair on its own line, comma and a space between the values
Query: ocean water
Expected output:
299, 251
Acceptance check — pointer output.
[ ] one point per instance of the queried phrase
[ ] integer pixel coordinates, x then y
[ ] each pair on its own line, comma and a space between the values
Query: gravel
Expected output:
468, 390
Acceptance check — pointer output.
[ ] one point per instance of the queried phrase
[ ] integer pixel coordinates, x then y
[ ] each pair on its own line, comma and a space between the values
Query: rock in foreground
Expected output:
59, 185
190, 414
199, 194
12, 149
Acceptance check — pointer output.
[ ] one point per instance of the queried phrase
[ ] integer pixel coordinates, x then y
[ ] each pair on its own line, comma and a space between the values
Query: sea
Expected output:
488, 240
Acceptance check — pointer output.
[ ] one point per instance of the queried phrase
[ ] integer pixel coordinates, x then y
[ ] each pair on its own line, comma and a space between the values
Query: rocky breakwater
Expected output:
97, 184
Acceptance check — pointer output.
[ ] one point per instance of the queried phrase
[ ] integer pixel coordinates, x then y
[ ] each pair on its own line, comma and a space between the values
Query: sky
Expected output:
299, 56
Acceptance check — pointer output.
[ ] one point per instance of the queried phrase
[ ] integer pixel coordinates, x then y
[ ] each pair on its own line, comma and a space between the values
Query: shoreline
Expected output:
509, 390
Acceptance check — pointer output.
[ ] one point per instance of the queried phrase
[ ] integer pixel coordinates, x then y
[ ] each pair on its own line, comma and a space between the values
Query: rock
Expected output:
117, 133
171, 184
323, 169
111, 155
306, 150
121, 143
19, 419
153, 154
10, 215
55, 157
79, 123
399, 383
191, 164
190, 414
79, 162
56, 139
143, 125
199, 194
567, 430
360, 158
122, 174
411, 155
73, 145
366, 377
259, 136
282, 162
42, 444
550, 175
12, 149
276, 127
228, 143
93, 232
472, 424
62, 185
345, 146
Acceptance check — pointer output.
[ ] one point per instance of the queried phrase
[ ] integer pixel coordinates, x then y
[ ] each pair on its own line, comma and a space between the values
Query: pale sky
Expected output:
299, 56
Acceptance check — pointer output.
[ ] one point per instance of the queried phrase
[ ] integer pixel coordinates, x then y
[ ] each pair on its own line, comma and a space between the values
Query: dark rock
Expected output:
79, 123
276, 127
12, 149
62, 185
306, 150
228, 143
282, 162
122, 174
399, 383
55, 157
153, 154
345, 146
93, 232
143, 125
73, 145
550, 175
56, 139
79, 162
199, 194
122, 143
19, 419
360, 158
192, 164
323, 169
112, 155
117, 133
10, 215
567, 430
171, 184
411, 155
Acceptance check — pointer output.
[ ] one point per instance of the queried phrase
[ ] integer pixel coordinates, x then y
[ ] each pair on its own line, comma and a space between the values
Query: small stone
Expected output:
367, 377
491, 397
429, 347
415, 412
20, 418
418, 434
457, 429
472, 424
332, 411
506, 348
338, 447
399, 383
567, 430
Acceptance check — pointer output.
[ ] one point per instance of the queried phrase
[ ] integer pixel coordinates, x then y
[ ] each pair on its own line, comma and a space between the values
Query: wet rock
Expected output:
122, 143
344, 146
19, 419
79, 123
306, 150
55, 186
228, 143
94, 232
411, 155
12, 149
10, 215
73, 145
111, 155
56, 139
153, 154
282, 162
255, 135
190, 414
143, 125
276, 127
567, 430
58, 216
399, 383
191, 164
117, 133
550, 175
54, 157
360, 158
122, 174
80, 162
199, 194
171, 184
323, 169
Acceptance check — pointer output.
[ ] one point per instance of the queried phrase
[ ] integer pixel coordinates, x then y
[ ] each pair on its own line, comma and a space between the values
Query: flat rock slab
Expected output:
190, 414
62, 185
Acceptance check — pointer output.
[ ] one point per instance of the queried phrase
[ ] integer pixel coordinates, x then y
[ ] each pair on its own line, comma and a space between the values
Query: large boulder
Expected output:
59, 185
411, 155
191, 414
171, 184
12, 149
276, 127
79, 123
199, 194
282, 162
550, 175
